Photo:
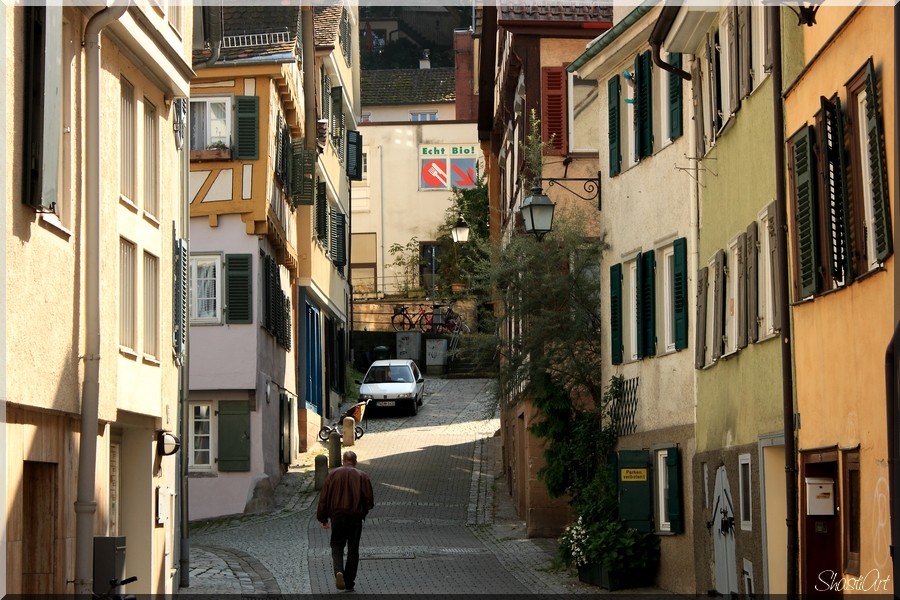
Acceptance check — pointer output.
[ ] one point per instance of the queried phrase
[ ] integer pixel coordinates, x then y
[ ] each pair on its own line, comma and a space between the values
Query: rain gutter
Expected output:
610, 35
658, 36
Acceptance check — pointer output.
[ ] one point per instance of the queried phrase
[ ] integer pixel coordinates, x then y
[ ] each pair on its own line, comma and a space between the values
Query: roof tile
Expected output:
407, 86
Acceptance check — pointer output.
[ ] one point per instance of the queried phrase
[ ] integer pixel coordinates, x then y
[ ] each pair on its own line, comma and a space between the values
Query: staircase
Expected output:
464, 364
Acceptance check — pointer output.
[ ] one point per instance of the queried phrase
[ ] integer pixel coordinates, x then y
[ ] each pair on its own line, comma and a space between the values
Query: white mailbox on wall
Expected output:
819, 496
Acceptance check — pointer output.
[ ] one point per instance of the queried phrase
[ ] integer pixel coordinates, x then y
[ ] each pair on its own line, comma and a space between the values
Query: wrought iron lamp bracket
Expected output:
589, 185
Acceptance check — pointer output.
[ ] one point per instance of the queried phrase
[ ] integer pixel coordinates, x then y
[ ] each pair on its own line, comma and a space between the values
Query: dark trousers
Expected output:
346, 530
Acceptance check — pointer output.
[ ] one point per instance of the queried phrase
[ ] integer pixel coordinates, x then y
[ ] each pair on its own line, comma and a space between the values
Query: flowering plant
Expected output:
610, 543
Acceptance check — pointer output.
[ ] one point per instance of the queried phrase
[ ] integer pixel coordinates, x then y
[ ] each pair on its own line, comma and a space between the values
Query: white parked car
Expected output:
393, 383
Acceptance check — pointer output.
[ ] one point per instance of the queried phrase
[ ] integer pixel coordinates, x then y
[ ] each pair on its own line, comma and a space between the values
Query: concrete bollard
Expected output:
334, 449
321, 471
349, 431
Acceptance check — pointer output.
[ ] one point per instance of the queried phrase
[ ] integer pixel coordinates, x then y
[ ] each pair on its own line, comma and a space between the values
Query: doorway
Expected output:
39, 521
821, 525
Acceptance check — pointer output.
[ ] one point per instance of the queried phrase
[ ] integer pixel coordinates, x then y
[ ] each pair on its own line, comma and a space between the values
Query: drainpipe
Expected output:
85, 504
694, 208
658, 35
773, 14
213, 21
891, 371
184, 570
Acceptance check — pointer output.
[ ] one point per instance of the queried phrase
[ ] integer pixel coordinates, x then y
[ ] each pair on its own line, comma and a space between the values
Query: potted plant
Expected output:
215, 151
610, 554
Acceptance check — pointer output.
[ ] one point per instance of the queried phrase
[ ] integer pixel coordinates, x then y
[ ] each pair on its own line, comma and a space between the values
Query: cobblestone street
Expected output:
442, 523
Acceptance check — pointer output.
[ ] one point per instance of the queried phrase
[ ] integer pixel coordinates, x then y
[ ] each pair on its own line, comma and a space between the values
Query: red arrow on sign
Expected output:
464, 178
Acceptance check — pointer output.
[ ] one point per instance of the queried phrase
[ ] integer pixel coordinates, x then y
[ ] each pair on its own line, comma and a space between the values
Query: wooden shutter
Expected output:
40, 96
180, 294
680, 292
635, 489
697, 99
805, 203
877, 172
637, 309
741, 290
238, 288
648, 302
554, 110
712, 63
676, 118
718, 304
336, 239
321, 212
615, 312
246, 129
337, 112
700, 327
615, 146
732, 56
774, 224
837, 232
354, 155
674, 508
752, 262
745, 33
326, 96
287, 336
234, 435
303, 171
274, 296
268, 318
285, 419
644, 110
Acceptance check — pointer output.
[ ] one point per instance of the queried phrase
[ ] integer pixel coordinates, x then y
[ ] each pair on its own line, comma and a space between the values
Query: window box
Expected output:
211, 154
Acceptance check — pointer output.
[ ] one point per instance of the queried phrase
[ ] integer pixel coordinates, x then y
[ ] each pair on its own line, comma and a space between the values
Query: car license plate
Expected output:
386, 403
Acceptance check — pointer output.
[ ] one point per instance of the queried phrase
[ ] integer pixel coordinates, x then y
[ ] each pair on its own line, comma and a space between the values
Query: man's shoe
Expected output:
339, 580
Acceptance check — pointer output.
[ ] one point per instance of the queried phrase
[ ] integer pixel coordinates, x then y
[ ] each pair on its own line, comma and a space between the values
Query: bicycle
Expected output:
113, 585
357, 411
402, 320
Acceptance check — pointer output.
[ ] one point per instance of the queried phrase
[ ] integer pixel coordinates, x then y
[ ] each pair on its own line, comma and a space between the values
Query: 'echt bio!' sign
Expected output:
446, 166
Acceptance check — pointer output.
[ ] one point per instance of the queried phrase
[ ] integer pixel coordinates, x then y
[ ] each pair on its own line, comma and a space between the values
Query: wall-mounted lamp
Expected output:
167, 443
537, 209
806, 13
460, 231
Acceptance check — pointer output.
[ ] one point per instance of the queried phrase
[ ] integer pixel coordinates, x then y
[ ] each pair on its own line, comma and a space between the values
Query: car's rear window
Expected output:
396, 373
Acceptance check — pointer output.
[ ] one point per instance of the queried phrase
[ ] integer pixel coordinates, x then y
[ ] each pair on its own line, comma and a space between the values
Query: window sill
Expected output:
204, 474
128, 352
150, 360
127, 203
210, 154
151, 219
51, 220
203, 323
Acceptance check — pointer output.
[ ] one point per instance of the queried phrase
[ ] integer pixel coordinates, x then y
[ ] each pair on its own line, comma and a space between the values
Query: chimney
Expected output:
425, 61
466, 106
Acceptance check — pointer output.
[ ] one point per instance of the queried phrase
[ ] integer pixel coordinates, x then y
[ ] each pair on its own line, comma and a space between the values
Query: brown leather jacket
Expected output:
347, 491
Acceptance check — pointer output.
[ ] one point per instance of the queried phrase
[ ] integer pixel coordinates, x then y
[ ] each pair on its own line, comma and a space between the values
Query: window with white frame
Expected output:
423, 115
200, 441
662, 491
710, 315
151, 160
206, 288
746, 502
732, 296
127, 141
862, 136
765, 275
365, 164
151, 305
211, 122
668, 304
584, 114
127, 294
629, 308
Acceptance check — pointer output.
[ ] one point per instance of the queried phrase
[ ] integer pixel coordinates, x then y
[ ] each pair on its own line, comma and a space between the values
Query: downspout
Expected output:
891, 371
658, 35
694, 217
213, 16
85, 503
184, 576
381, 209
787, 378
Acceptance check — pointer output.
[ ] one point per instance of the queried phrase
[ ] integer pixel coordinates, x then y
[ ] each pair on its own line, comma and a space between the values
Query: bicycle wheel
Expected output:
424, 322
401, 322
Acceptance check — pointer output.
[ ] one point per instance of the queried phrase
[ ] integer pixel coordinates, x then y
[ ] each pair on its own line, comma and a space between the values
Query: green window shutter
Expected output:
288, 337
745, 39
338, 240
180, 294
554, 110
234, 435
303, 170
680, 297
718, 323
321, 212
615, 312
246, 128
700, 327
752, 262
268, 318
285, 419
238, 288
648, 302
674, 509
326, 96
742, 290
676, 118
354, 155
638, 306
831, 141
805, 205
635, 491
644, 110
775, 224
274, 296
877, 170
615, 147
337, 112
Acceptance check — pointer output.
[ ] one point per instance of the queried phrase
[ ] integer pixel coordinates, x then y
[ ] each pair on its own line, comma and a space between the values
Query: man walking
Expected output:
346, 498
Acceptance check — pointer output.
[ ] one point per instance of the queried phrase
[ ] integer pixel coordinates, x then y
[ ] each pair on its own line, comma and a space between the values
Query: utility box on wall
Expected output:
409, 345
436, 356
109, 562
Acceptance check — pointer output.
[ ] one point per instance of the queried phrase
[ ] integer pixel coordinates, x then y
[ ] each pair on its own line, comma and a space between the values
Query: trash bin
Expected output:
381, 352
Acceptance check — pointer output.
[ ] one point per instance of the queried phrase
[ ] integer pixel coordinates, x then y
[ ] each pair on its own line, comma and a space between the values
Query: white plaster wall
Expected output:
446, 111
224, 356
397, 209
